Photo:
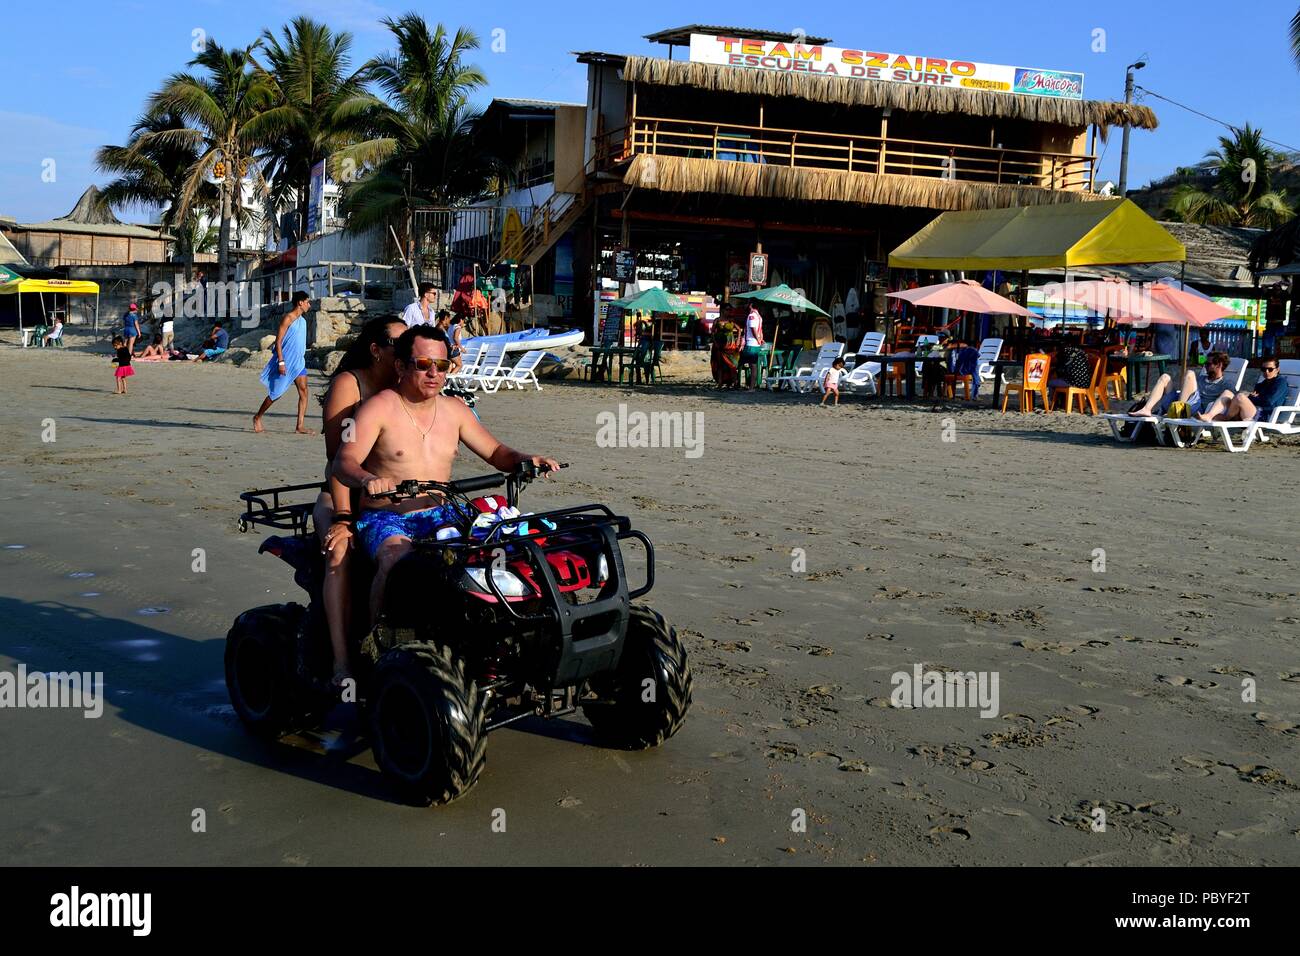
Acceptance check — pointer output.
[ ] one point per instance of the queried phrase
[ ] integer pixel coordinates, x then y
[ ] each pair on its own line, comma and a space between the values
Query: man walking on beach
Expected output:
412, 431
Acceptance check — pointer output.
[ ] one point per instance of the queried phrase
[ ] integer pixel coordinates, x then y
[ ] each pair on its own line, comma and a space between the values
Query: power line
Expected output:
1235, 129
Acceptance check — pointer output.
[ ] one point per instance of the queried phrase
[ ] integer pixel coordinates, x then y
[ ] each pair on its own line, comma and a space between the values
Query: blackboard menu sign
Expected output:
624, 265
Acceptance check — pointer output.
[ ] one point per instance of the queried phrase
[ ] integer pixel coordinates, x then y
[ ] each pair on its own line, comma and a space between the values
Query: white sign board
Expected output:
779, 56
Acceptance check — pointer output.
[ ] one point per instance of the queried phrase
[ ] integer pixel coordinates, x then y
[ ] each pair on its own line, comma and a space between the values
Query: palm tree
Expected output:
1242, 194
154, 174
217, 108
421, 144
1295, 38
309, 80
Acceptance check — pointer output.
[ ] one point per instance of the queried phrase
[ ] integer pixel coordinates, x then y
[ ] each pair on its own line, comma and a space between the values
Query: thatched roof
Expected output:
1217, 256
900, 96
92, 216
677, 174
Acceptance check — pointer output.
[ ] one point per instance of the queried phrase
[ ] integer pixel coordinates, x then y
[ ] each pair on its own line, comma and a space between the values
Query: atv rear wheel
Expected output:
645, 700
260, 668
427, 723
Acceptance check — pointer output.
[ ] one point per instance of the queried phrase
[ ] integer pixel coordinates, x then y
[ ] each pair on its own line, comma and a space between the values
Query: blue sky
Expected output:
84, 67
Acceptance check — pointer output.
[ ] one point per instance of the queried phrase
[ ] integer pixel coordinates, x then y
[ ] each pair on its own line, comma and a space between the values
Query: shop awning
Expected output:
66, 286
1104, 232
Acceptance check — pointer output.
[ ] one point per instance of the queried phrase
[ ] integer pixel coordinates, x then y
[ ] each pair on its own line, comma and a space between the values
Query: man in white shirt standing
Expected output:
752, 353
421, 311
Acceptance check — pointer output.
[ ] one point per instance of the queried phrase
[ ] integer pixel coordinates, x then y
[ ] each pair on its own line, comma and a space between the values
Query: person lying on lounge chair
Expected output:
1201, 388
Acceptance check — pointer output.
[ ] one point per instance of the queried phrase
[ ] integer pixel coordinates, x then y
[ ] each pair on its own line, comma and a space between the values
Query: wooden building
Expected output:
827, 157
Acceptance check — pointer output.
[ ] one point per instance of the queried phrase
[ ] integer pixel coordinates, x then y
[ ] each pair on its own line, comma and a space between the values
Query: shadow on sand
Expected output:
53, 636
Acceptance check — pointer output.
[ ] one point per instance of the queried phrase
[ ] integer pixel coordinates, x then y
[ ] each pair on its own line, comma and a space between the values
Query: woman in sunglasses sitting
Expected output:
1270, 392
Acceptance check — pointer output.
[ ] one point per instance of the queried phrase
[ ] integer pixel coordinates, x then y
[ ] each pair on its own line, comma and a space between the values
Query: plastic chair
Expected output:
652, 366
1038, 366
1090, 393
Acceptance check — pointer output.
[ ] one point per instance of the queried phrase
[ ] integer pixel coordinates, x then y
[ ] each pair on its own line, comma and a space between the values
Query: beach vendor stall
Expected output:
19, 287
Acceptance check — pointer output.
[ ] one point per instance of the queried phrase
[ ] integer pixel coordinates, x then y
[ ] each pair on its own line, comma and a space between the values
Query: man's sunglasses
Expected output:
423, 364
1269, 368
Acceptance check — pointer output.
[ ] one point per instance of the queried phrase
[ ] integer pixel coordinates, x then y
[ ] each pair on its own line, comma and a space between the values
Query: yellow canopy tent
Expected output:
1060, 236
64, 286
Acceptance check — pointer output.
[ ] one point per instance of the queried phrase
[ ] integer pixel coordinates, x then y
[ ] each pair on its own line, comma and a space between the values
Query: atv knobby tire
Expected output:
621, 715
427, 723
260, 671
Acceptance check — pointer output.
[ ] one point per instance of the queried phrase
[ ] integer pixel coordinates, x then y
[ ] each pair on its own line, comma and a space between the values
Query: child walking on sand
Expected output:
831, 381
123, 362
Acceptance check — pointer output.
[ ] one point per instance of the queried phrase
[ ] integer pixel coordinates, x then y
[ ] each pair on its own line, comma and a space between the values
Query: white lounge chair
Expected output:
806, 378
1282, 420
990, 351
524, 371
872, 343
489, 374
469, 367
1235, 372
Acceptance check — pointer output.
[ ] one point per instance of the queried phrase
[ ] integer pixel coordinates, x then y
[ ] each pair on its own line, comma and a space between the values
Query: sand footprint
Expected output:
1279, 724
1178, 680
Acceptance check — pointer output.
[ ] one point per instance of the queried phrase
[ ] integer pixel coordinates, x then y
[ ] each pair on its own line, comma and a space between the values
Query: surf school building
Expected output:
824, 157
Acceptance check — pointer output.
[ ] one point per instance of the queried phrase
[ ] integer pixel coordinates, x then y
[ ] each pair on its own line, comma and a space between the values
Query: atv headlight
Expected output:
602, 570
507, 582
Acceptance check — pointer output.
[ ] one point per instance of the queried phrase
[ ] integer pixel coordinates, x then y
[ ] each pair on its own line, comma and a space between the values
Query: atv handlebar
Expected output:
525, 472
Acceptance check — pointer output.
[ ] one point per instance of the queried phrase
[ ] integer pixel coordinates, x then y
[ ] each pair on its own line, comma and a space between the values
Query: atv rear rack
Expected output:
275, 513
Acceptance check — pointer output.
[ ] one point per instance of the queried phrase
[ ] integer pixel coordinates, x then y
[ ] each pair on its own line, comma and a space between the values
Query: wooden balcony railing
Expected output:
851, 152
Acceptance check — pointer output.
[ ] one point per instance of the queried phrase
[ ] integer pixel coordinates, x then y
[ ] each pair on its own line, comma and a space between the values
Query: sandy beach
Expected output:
806, 554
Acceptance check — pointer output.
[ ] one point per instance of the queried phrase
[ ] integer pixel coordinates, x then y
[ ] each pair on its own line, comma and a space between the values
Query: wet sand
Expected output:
806, 555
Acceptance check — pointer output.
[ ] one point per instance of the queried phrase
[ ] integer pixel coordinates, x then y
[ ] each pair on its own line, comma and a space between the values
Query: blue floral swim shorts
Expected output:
375, 525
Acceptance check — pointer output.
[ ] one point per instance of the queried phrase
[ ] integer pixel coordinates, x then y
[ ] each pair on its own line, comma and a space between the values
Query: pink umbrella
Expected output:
1134, 303
1140, 304
964, 295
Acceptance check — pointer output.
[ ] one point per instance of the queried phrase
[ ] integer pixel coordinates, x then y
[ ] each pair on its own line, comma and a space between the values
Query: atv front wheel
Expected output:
260, 668
427, 722
645, 700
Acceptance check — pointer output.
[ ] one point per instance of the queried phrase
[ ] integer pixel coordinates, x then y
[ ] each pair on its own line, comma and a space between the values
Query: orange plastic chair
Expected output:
1089, 393
1038, 366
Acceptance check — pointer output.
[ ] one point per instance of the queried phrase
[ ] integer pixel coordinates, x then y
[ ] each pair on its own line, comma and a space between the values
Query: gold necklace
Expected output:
416, 425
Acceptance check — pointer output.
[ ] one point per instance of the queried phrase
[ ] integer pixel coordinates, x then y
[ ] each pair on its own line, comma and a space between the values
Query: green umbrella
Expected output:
783, 295
655, 300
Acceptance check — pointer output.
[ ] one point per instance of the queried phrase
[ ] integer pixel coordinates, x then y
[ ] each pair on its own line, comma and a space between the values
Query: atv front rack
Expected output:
274, 513
596, 521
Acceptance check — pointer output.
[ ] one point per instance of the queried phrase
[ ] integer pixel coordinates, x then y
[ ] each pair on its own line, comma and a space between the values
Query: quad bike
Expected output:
509, 616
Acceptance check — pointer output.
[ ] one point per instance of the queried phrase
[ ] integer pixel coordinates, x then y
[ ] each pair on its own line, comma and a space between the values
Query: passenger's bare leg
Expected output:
390, 552
335, 589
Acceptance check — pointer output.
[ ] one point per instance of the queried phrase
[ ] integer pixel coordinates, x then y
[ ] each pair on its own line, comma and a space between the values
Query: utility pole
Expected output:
1123, 154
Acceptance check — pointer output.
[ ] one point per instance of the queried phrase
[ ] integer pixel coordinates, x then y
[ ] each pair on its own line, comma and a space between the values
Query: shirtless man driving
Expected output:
412, 431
